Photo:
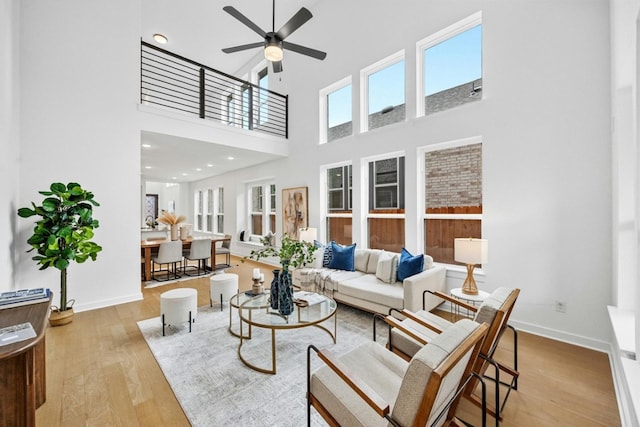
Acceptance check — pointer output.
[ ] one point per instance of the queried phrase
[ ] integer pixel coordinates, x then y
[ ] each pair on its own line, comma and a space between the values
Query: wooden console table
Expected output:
22, 367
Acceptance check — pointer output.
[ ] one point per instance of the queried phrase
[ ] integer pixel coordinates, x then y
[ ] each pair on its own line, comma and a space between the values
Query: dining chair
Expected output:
225, 248
169, 253
200, 251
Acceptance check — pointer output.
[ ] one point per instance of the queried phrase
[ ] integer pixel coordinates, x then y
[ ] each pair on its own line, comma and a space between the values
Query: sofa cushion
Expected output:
327, 279
327, 254
368, 288
372, 264
361, 259
409, 264
428, 262
387, 267
342, 257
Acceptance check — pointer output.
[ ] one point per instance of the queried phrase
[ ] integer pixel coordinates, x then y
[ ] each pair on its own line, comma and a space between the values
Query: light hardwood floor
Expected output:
100, 372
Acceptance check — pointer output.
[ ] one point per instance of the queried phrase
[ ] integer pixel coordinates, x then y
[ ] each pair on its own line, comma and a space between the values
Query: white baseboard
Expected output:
108, 302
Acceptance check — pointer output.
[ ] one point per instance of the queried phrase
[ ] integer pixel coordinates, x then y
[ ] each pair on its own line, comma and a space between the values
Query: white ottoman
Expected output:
178, 306
222, 286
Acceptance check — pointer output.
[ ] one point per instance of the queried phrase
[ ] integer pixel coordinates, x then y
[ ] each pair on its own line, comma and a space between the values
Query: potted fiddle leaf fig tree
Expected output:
63, 233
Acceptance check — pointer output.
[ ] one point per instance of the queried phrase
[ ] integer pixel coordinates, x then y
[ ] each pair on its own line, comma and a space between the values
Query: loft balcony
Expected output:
175, 83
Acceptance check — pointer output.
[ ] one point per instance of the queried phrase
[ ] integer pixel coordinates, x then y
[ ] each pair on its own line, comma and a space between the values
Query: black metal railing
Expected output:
172, 81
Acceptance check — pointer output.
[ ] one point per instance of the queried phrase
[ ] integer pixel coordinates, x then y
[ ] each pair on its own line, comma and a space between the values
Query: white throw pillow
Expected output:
372, 264
428, 262
361, 259
387, 269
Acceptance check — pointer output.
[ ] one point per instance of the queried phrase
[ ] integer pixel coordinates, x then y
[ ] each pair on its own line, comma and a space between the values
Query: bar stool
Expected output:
225, 285
178, 306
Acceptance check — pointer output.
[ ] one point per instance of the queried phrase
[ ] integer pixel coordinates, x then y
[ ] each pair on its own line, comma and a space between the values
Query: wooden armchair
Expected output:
408, 336
371, 386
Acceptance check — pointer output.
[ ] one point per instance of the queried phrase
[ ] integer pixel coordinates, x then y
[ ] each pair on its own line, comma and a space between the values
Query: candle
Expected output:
256, 273
261, 277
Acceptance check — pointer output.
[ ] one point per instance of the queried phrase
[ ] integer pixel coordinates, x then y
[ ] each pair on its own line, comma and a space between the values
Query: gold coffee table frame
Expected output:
235, 302
255, 311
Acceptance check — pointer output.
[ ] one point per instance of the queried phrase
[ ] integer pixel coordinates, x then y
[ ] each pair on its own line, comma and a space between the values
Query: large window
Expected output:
209, 210
336, 111
450, 66
272, 208
257, 210
262, 214
339, 202
453, 196
198, 203
383, 93
386, 204
219, 210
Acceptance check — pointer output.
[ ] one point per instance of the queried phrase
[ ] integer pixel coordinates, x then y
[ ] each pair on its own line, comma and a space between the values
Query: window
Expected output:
263, 96
230, 110
272, 208
386, 203
339, 202
262, 215
383, 93
336, 111
209, 211
256, 210
198, 205
219, 209
450, 66
453, 196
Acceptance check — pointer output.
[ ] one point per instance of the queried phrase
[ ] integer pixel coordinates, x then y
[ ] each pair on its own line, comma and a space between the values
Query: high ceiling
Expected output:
199, 29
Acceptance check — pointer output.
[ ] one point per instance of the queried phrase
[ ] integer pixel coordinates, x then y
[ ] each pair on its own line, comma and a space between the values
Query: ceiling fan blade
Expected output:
304, 50
294, 23
243, 47
277, 66
246, 21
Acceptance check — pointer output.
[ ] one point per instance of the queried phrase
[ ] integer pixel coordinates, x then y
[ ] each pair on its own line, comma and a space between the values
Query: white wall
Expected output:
9, 137
79, 85
544, 120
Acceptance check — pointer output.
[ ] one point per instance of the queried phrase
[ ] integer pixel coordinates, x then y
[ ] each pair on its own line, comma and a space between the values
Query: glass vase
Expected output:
273, 300
285, 291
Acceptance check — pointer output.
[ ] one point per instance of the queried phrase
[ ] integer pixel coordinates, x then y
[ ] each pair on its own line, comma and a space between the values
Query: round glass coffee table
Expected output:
256, 312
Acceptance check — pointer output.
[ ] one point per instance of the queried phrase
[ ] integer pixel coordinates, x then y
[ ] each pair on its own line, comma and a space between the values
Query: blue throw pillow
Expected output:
409, 264
342, 257
327, 255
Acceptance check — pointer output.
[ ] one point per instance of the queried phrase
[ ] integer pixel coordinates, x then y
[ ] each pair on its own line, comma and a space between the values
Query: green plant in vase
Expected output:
292, 253
63, 234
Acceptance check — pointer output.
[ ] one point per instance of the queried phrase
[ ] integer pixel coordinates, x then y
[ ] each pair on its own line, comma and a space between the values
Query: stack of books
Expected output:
24, 297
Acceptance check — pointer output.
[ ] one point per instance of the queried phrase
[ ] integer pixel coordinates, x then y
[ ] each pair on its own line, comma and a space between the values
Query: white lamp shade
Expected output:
308, 234
471, 251
273, 52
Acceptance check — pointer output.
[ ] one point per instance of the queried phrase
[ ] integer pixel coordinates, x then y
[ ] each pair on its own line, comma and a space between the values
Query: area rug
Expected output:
215, 388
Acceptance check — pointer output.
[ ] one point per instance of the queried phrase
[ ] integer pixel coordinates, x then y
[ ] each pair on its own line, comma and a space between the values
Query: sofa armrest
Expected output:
432, 279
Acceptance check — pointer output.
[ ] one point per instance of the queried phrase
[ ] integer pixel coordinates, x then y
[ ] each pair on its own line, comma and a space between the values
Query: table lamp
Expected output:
308, 234
471, 252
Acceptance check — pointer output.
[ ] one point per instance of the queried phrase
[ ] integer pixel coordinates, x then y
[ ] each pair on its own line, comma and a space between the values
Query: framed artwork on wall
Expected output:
294, 211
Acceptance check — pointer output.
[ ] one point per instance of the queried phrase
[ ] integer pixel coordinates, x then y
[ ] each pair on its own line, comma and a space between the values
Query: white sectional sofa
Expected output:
364, 288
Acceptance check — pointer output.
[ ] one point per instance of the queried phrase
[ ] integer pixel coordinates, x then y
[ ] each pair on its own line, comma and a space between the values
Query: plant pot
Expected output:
59, 318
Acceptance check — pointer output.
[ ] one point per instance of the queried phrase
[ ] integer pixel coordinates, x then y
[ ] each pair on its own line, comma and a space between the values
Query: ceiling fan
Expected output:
274, 43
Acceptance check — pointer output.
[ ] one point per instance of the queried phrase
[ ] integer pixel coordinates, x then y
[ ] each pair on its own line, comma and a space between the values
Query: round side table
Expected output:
474, 300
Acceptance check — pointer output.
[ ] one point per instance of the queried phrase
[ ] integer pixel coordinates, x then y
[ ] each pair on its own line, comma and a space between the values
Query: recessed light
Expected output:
230, 158
209, 165
160, 38
174, 177
184, 174
147, 167
198, 169
146, 145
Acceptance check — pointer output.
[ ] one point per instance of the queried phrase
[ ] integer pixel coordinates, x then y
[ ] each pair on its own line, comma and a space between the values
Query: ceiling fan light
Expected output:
273, 52
160, 38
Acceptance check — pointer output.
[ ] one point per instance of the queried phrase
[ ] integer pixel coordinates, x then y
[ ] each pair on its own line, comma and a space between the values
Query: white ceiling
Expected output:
199, 30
